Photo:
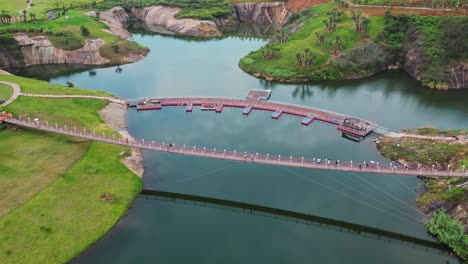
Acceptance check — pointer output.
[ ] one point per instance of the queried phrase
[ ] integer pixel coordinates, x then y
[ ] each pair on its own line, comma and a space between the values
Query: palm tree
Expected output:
33, 17
24, 15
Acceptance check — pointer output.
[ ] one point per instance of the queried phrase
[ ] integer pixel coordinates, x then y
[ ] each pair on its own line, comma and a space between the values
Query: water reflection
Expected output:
183, 66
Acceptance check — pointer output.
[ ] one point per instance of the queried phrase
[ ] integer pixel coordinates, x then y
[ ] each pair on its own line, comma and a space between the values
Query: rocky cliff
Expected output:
162, 19
262, 13
414, 64
445, 76
116, 18
7, 58
39, 50
458, 75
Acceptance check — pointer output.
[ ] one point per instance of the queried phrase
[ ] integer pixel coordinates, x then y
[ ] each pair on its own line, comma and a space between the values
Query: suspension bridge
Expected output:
233, 155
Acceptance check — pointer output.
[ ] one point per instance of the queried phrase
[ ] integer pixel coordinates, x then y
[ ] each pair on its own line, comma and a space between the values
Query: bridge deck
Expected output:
295, 110
291, 161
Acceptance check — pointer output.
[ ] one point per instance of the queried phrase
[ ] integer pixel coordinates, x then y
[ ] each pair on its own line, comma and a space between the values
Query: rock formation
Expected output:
162, 19
262, 13
458, 75
116, 18
39, 50
7, 59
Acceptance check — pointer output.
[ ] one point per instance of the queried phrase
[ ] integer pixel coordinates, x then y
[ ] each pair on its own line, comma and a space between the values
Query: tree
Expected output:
33, 17
5, 18
24, 15
281, 37
84, 31
305, 59
360, 22
270, 52
336, 47
320, 37
334, 17
116, 48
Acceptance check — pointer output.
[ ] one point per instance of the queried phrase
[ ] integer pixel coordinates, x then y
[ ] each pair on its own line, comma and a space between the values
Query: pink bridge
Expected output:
352, 126
259, 158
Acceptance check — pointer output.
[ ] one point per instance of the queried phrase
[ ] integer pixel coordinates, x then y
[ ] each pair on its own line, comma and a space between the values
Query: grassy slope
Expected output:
40, 7
250, 1
285, 65
72, 25
13, 6
66, 34
34, 151
68, 216
5, 91
40, 87
427, 153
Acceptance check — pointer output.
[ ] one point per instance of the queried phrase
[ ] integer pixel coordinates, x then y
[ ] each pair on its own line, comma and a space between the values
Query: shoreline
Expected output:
114, 116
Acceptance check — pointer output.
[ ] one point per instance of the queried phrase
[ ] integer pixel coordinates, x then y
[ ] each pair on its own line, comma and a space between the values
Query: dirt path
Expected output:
298, 5
113, 114
379, 10
30, 2
433, 138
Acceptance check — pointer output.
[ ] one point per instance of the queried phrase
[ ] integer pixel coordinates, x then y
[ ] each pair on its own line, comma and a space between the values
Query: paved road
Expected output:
16, 92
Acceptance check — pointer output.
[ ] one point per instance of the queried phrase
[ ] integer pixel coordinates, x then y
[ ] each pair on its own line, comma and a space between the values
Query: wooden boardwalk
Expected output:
270, 106
290, 161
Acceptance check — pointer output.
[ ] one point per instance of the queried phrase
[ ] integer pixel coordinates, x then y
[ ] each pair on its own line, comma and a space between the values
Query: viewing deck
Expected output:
349, 125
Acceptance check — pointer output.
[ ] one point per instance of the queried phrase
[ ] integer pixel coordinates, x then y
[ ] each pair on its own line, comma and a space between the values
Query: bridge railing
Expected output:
304, 162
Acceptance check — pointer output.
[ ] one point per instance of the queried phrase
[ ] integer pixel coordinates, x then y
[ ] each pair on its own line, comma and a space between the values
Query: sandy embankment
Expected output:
114, 116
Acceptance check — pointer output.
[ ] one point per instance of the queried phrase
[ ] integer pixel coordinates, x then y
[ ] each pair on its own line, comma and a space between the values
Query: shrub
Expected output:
84, 31
450, 232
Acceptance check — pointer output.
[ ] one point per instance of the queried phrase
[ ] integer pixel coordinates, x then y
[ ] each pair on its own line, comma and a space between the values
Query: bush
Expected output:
450, 232
84, 31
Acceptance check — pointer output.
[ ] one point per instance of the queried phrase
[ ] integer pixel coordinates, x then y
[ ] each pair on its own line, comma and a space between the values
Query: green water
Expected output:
162, 232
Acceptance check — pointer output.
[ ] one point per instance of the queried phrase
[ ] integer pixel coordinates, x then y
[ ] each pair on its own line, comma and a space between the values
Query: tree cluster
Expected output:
270, 52
5, 17
334, 17
360, 22
305, 59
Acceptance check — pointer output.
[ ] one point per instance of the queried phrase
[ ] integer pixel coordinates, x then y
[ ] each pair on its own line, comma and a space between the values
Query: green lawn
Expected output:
34, 151
5, 91
41, 6
40, 87
305, 38
54, 209
13, 6
70, 28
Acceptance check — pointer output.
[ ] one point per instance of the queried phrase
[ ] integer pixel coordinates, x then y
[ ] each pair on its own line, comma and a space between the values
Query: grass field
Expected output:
52, 211
285, 65
41, 6
5, 91
13, 6
64, 30
34, 150
40, 87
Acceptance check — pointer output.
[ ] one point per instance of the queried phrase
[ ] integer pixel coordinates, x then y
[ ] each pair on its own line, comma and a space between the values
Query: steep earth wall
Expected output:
39, 50
458, 75
116, 18
7, 58
162, 19
262, 13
